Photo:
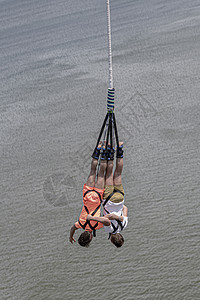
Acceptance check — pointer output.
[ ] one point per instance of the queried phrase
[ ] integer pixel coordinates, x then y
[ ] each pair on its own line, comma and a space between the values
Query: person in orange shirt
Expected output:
92, 198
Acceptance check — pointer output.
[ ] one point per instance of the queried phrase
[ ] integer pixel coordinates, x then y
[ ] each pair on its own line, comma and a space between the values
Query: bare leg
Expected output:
91, 178
101, 177
117, 180
109, 173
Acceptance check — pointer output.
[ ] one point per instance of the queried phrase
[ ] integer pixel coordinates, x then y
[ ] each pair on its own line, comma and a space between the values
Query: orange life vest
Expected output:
92, 199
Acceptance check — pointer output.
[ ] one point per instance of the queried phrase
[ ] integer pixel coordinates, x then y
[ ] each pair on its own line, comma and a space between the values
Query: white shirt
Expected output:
116, 208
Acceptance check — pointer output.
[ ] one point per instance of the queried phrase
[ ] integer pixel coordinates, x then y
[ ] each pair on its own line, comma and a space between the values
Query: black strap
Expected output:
102, 129
111, 130
109, 197
95, 192
115, 228
94, 212
120, 224
111, 121
109, 133
116, 133
87, 222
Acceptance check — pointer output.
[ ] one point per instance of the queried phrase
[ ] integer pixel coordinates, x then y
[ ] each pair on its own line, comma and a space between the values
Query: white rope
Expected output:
109, 46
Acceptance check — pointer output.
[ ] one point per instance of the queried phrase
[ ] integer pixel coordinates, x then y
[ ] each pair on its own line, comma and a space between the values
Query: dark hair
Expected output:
117, 239
84, 239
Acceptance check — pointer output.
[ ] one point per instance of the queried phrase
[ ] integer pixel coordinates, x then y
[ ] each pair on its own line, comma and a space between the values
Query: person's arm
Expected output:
113, 216
125, 211
72, 230
104, 220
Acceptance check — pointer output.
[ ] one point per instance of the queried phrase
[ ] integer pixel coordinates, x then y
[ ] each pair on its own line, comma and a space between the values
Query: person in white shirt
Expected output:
113, 200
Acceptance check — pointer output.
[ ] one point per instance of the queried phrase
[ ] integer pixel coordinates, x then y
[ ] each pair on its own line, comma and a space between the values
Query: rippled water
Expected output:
53, 82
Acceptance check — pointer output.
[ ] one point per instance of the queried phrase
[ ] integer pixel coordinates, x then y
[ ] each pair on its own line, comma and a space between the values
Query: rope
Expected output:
109, 129
109, 46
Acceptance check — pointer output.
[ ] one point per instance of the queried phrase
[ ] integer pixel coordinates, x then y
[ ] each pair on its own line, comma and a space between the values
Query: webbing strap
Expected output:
115, 128
87, 222
93, 191
109, 197
108, 133
94, 212
115, 228
120, 224
111, 131
102, 129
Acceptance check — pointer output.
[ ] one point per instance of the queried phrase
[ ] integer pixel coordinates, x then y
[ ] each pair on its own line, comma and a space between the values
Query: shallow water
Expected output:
53, 81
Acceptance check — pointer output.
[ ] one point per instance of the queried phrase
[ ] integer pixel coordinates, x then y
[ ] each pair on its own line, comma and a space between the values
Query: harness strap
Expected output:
115, 128
95, 192
102, 129
109, 197
115, 228
109, 133
87, 222
94, 212
120, 224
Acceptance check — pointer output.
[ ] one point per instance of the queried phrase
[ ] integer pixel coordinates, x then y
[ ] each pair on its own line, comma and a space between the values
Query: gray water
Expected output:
54, 78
